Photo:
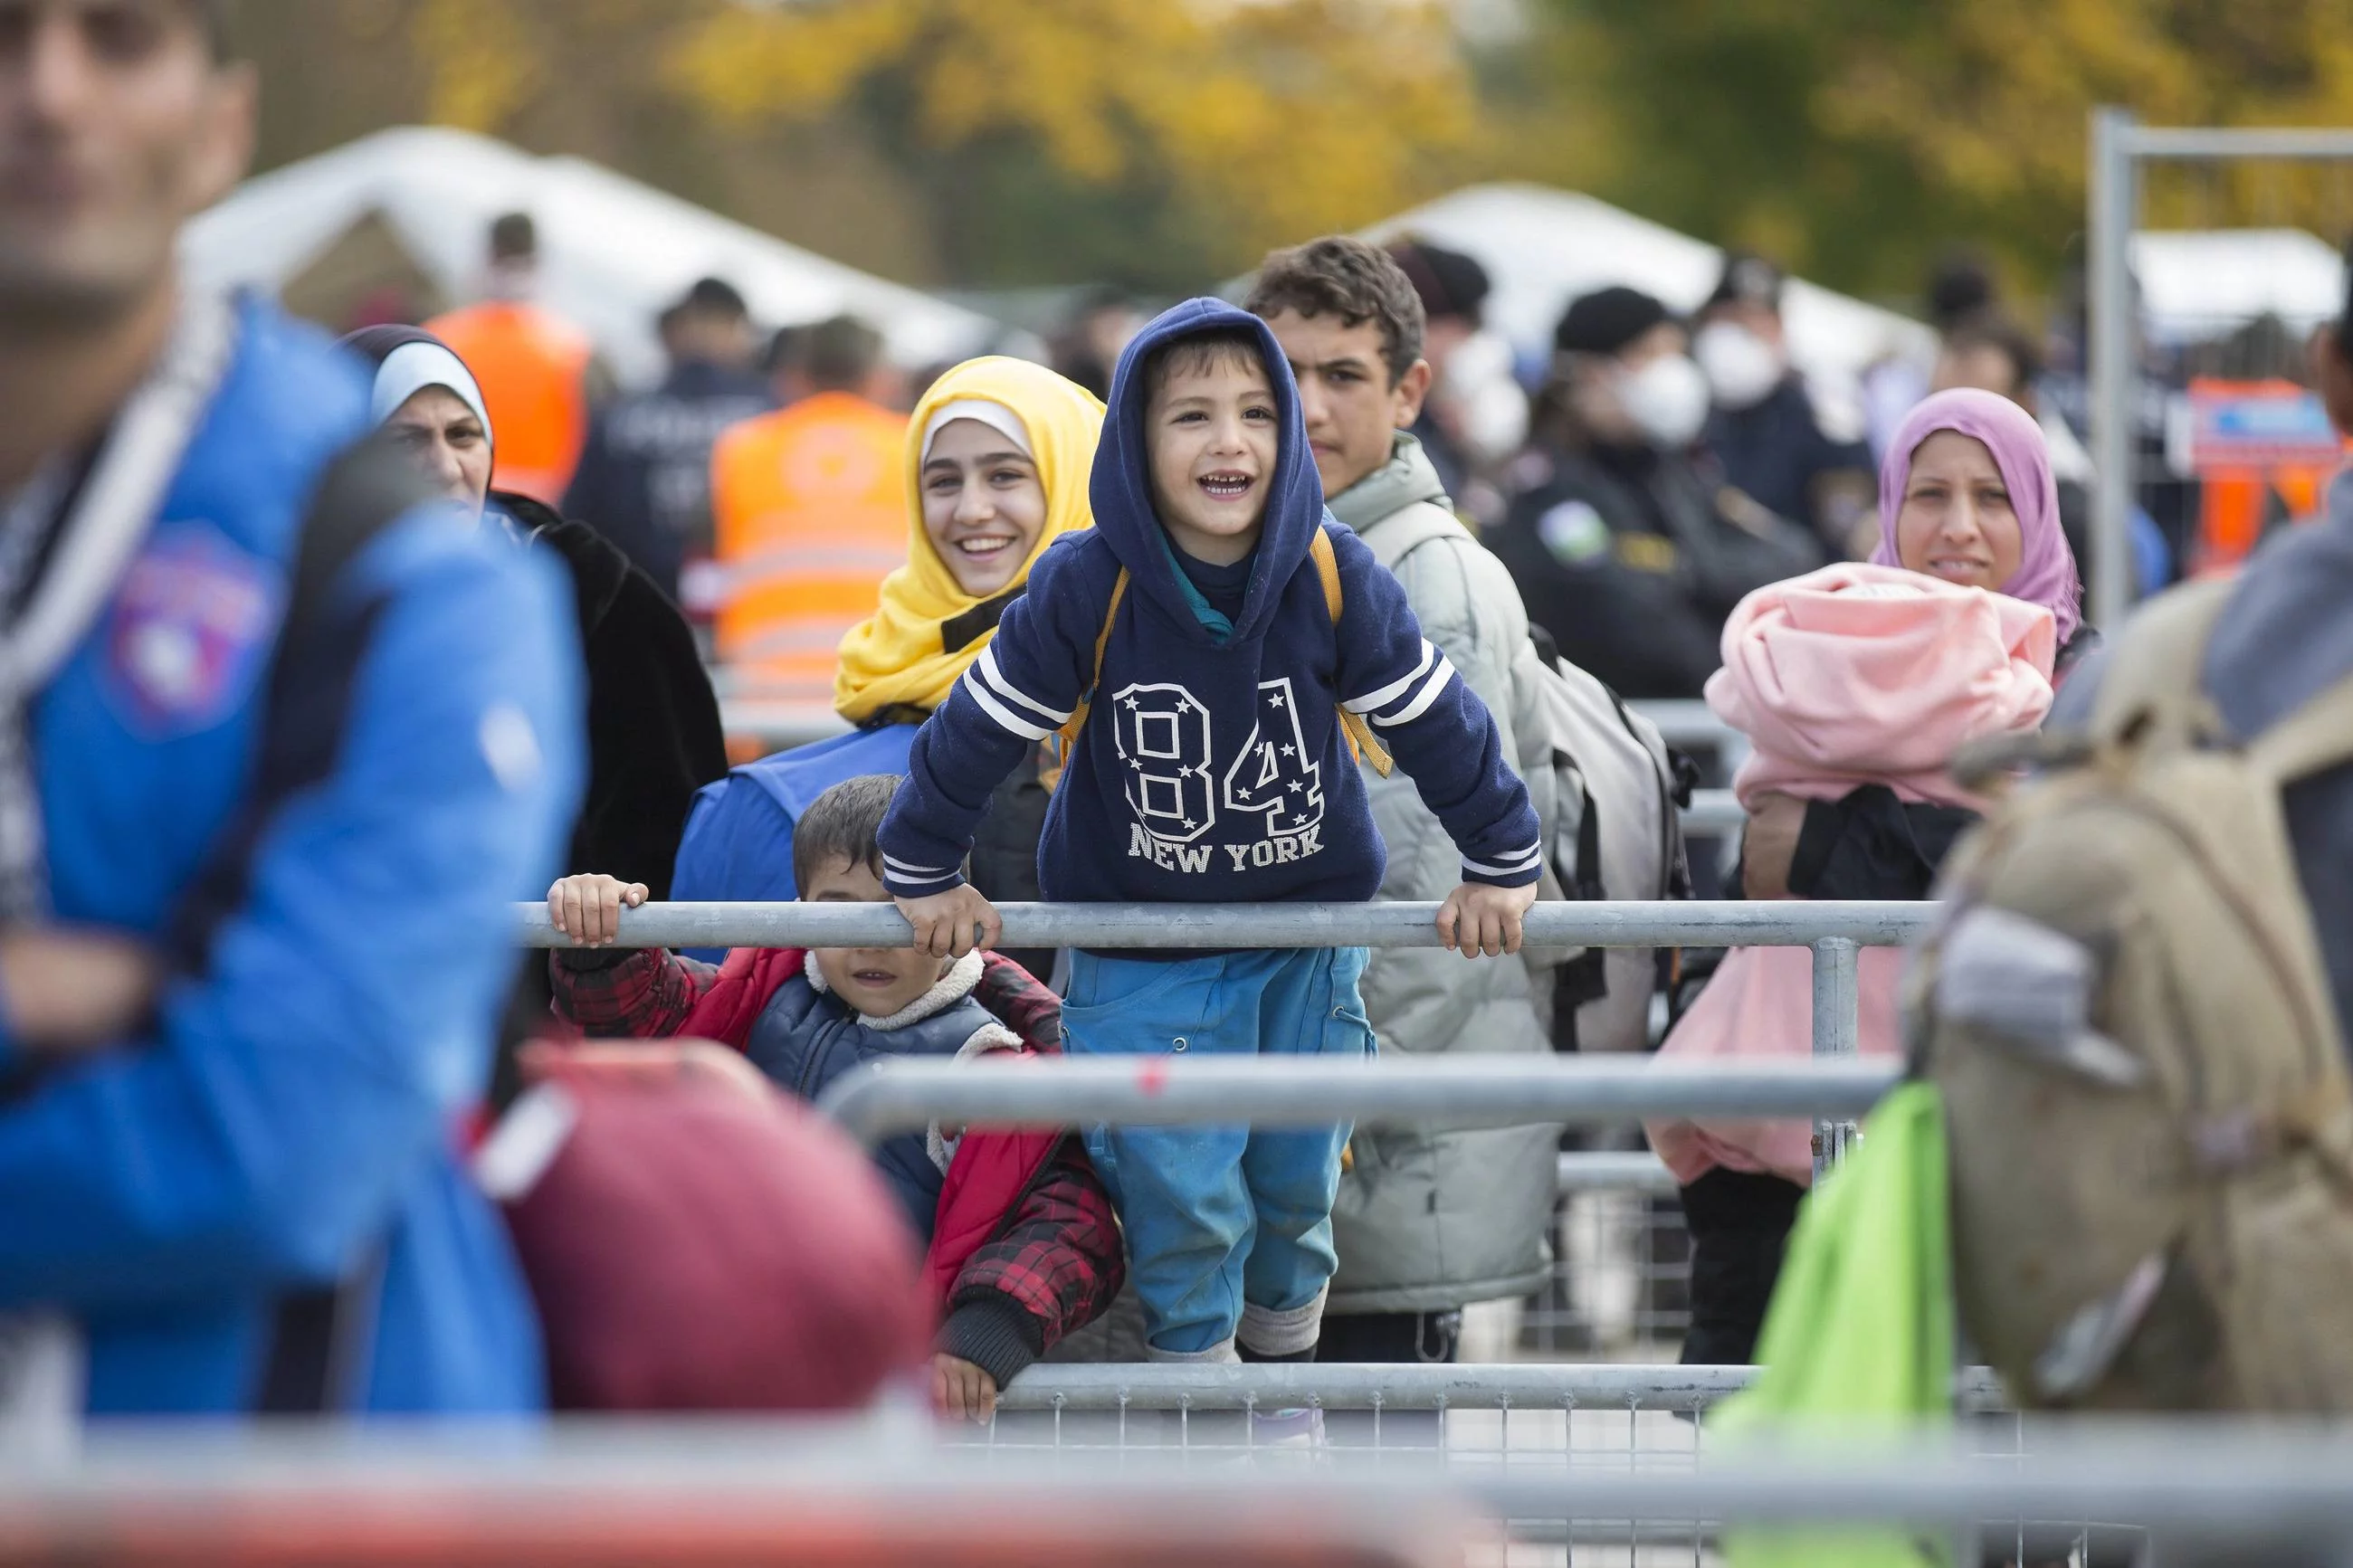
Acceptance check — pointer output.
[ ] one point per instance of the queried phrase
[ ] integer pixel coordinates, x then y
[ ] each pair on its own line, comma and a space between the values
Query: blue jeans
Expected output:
1229, 1230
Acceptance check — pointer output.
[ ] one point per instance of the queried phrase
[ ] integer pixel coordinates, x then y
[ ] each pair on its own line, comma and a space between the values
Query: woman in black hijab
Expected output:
654, 735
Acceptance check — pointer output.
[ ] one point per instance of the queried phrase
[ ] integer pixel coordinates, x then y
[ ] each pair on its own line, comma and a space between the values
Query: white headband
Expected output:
996, 415
412, 367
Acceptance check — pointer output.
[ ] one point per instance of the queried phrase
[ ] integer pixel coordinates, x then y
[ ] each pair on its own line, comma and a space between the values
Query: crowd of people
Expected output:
320, 655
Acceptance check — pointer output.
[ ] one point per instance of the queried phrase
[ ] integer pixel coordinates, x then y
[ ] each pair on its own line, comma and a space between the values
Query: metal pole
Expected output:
2207, 143
1519, 1385
1838, 1023
1638, 1171
904, 1094
1111, 926
2114, 201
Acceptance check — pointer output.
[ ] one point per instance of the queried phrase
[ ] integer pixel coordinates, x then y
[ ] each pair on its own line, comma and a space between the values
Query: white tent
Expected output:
1543, 247
2198, 284
614, 252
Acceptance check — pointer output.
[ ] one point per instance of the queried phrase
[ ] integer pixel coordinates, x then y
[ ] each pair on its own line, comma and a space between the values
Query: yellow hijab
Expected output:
898, 657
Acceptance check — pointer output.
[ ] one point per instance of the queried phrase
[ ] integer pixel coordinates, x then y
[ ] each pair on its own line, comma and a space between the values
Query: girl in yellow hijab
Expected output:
997, 456
998, 453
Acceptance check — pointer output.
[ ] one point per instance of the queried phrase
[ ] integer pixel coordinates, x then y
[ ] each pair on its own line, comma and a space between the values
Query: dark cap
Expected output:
1748, 280
1606, 320
1449, 283
713, 296
513, 238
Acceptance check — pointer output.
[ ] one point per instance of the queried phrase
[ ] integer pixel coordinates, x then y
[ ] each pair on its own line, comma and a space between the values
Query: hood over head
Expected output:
1122, 488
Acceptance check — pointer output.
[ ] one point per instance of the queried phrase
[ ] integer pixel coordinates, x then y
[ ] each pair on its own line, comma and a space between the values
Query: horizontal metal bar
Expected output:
905, 1094
1714, 811
2197, 143
1518, 1385
1687, 722
2236, 1482
1780, 924
1338, 1386
752, 714
779, 724
1636, 1171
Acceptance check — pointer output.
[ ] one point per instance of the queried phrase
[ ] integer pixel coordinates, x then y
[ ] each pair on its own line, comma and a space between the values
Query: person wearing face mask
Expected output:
1628, 546
1780, 440
654, 734
1473, 414
997, 455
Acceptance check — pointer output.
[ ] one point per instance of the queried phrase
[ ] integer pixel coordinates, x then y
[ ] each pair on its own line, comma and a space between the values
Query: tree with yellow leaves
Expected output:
1265, 120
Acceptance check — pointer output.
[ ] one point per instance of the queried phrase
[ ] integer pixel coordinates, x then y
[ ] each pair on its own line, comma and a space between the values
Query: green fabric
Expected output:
1211, 619
1859, 1339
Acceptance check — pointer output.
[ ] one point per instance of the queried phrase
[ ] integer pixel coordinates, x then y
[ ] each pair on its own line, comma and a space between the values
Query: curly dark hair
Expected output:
1343, 277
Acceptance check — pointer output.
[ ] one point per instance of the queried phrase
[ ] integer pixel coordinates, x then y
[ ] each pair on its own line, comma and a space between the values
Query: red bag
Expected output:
693, 1246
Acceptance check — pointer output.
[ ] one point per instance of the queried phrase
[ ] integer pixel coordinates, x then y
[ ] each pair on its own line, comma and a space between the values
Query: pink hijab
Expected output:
2046, 568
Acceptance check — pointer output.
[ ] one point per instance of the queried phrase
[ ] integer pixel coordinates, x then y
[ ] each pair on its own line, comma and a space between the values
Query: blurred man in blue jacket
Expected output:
277, 745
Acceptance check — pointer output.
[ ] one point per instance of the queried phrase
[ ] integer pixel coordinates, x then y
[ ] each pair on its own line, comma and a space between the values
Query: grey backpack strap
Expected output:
1402, 532
2315, 738
2152, 688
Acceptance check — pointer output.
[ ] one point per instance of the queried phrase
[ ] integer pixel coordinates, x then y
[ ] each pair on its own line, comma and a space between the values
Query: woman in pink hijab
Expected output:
1966, 494
1855, 684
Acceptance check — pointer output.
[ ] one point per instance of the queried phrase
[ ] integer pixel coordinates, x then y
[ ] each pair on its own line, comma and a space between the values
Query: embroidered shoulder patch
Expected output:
189, 628
1575, 534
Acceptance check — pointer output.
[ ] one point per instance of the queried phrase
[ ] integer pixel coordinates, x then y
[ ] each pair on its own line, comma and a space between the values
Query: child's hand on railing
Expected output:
961, 1390
587, 908
951, 924
1480, 918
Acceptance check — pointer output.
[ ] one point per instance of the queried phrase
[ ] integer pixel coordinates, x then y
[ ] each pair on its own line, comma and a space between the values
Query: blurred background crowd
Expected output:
713, 209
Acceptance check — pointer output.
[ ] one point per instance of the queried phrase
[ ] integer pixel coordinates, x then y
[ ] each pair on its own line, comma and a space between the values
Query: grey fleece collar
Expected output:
1405, 479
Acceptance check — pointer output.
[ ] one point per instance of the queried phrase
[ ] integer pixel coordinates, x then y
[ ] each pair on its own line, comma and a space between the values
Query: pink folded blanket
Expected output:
1850, 676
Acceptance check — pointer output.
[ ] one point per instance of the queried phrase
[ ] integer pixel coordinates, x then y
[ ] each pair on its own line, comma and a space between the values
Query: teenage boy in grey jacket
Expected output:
1427, 1222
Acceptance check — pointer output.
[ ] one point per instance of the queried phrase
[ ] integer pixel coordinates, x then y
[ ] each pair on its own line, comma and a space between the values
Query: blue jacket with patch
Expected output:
1212, 769
290, 1120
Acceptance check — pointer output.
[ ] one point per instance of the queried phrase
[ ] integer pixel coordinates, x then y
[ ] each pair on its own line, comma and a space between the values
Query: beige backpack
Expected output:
2125, 1006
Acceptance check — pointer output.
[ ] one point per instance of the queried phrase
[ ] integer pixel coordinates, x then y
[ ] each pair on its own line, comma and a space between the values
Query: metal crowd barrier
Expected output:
874, 1491
782, 722
910, 1093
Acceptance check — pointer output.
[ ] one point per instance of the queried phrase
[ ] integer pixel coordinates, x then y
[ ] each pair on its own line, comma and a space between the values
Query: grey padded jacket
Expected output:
1431, 1220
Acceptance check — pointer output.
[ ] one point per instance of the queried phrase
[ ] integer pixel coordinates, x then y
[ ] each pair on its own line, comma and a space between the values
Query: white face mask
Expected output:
1741, 366
1489, 413
1666, 399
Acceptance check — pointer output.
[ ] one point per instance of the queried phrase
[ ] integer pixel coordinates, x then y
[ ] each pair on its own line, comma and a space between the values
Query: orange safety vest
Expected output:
809, 511
531, 367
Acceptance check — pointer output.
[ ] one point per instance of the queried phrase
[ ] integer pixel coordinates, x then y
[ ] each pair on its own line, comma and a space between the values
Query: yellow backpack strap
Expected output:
1087, 698
1362, 743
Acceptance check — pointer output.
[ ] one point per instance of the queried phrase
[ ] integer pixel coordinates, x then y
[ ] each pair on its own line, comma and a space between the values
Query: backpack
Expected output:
1606, 790
2125, 1008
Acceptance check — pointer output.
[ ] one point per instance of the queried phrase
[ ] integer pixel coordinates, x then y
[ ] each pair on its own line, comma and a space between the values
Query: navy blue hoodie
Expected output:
1212, 770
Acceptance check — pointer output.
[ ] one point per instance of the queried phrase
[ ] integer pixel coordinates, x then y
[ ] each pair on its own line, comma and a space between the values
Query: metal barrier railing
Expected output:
1561, 924
868, 1491
907, 1094
1834, 931
1513, 1385
1615, 1173
784, 721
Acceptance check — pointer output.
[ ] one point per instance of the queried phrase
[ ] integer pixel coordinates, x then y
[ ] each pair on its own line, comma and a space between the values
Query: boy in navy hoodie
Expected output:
1216, 647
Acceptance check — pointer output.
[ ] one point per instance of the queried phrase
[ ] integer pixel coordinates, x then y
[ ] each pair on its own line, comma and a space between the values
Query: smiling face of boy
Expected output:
1214, 429
876, 982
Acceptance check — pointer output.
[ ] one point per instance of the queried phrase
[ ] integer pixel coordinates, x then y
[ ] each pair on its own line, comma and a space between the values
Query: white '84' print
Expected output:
1273, 775
1164, 737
